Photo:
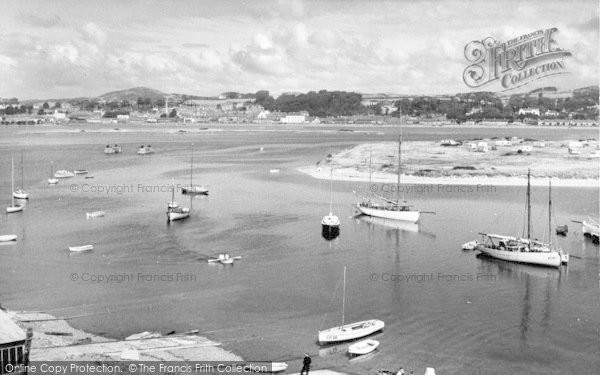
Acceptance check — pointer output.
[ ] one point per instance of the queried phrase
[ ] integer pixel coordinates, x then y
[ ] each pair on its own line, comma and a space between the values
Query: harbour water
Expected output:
443, 307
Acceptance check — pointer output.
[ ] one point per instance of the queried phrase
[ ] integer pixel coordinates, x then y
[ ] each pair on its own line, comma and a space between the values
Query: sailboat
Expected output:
52, 180
14, 207
330, 223
174, 212
193, 189
391, 209
524, 250
352, 331
20, 193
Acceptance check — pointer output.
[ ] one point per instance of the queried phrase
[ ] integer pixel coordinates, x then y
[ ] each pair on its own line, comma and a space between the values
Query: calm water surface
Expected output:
443, 307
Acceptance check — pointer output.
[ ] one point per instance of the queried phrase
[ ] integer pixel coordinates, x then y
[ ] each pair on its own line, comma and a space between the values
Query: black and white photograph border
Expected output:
298, 186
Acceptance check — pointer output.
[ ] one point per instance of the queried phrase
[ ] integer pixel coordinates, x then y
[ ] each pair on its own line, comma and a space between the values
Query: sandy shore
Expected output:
55, 340
428, 163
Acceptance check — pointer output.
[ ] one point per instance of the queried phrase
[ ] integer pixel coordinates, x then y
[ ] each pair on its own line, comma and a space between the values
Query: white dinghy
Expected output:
363, 347
77, 249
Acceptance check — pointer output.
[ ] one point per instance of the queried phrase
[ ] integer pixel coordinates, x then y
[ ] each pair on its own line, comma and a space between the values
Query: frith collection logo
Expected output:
514, 63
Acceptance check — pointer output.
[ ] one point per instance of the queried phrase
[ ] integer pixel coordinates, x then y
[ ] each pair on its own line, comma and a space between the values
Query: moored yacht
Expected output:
52, 180
13, 207
193, 189
391, 209
330, 223
351, 331
524, 250
20, 192
174, 211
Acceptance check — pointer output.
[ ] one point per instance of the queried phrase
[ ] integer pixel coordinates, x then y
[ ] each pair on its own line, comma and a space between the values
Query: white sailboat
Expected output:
330, 223
524, 250
193, 189
174, 212
20, 193
13, 207
52, 180
352, 331
391, 209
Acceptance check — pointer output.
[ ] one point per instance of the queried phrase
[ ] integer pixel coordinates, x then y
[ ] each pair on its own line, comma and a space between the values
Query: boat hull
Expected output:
8, 237
350, 331
63, 174
543, 258
363, 347
410, 216
17, 208
173, 215
20, 195
195, 190
77, 249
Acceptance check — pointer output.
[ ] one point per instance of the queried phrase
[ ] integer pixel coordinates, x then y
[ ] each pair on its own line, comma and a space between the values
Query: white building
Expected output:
60, 115
529, 111
294, 118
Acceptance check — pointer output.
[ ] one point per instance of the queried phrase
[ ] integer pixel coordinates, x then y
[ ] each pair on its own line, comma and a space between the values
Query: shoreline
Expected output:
54, 339
352, 175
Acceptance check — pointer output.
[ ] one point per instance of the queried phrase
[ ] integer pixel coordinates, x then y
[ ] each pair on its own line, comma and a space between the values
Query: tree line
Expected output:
321, 104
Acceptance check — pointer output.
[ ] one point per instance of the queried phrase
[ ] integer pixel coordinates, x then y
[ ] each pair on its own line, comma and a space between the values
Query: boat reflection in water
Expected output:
330, 232
404, 226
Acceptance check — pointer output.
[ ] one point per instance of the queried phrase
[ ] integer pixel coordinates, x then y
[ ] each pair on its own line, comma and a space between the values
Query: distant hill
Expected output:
132, 94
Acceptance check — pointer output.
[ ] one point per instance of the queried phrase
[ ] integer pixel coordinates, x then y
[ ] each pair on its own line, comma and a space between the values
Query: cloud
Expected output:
43, 21
407, 47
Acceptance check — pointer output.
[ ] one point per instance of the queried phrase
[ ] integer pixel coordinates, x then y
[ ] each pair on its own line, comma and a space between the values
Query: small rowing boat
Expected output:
94, 214
224, 259
63, 174
81, 248
80, 171
363, 347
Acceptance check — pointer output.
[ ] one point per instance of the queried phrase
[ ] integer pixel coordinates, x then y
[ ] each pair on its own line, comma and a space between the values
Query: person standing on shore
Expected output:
305, 364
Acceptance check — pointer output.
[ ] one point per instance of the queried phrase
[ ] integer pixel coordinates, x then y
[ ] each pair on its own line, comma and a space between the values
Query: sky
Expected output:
64, 48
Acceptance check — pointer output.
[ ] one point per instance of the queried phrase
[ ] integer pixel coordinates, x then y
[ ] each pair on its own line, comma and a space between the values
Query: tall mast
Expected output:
399, 169
529, 206
22, 187
330, 190
192, 168
370, 171
173, 192
344, 298
12, 179
51, 168
550, 212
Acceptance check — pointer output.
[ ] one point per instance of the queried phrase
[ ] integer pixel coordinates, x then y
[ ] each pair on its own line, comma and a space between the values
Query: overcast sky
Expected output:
58, 49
